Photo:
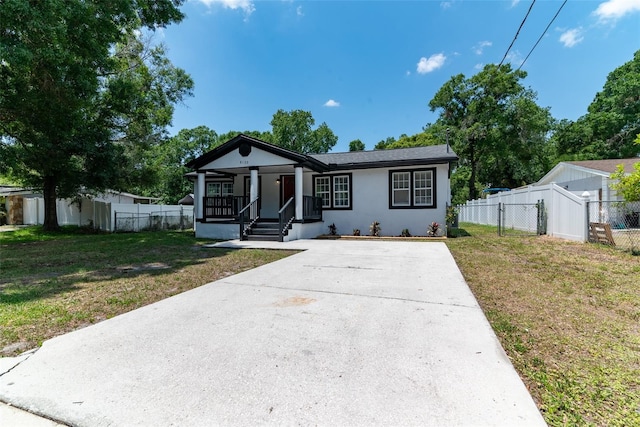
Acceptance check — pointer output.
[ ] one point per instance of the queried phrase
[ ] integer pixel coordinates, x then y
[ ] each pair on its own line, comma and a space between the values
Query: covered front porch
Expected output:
251, 190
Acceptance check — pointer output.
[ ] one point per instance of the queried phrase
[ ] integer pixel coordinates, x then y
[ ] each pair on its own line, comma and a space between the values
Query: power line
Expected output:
543, 33
517, 32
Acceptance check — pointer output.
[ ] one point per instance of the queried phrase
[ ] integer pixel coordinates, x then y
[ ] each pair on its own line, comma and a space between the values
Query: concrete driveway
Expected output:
344, 333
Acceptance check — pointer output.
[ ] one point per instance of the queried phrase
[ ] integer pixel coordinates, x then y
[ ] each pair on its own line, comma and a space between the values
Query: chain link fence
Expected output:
510, 219
153, 221
615, 223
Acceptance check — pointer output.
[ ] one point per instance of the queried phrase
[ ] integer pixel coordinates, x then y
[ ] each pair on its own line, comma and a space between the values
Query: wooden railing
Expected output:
311, 208
223, 206
287, 215
248, 216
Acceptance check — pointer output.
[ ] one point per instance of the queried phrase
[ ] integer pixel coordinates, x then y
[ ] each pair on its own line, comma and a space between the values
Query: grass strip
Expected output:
568, 316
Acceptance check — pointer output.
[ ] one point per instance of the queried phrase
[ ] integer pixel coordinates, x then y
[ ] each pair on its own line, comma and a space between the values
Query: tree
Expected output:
628, 185
614, 114
384, 143
356, 145
264, 136
80, 94
293, 130
496, 128
612, 121
169, 161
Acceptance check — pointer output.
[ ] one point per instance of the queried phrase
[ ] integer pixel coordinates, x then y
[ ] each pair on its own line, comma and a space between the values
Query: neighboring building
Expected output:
17, 199
247, 188
588, 175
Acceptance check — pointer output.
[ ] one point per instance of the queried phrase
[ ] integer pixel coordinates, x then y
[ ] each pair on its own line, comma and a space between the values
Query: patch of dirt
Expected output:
143, 267
16, 348
294, 301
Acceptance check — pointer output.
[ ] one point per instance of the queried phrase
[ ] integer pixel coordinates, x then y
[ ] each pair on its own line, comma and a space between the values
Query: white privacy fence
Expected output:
565, 212
111, 216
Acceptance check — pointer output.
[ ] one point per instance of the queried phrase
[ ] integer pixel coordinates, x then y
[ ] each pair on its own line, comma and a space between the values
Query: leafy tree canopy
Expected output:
356, 145
293, 130
81, 94
496, 128
628, 185
169, 161
611, 124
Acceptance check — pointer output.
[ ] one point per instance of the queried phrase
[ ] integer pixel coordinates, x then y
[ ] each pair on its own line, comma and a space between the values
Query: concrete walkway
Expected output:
344, 333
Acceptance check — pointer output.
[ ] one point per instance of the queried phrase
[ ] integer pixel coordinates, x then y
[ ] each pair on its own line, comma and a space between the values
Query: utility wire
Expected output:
543, 33
517, 32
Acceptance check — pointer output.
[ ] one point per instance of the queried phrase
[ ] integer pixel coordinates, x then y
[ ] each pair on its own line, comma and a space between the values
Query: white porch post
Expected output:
253, 193
298, 193
199, 193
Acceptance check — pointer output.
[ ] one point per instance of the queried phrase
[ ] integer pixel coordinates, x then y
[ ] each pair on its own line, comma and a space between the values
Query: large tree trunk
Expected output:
50, 205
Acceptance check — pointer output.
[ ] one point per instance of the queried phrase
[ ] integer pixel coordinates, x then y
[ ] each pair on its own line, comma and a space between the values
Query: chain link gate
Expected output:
522, 219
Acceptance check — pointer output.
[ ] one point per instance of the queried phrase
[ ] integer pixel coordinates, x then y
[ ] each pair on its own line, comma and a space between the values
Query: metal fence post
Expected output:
115, 221
499, 217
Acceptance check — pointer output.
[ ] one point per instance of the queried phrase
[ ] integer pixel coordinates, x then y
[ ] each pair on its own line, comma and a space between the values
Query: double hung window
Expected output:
219, 188
334, 190
412, 189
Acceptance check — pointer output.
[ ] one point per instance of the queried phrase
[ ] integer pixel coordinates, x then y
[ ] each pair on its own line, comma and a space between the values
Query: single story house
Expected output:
592, 176
249, 189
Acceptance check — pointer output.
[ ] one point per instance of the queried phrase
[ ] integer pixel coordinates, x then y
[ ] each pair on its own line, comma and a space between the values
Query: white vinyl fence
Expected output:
566, 212
105, 216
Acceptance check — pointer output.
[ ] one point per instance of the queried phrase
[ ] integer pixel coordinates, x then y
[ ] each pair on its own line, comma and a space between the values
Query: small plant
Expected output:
433, 229
333, 230
405, 233
356, 231
375, 229
452, 216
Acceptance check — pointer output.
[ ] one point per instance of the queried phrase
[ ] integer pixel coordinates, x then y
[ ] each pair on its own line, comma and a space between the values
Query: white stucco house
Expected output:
250, 189
592, 176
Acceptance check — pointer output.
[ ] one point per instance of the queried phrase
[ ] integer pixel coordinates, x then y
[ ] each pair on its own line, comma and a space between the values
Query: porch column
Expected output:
298, 192
199, 193
253, 192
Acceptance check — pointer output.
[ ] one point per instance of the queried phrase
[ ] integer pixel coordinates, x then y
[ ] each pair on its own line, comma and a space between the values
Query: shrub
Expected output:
356, 231
433, 229
405, 233
375, 229
333, 230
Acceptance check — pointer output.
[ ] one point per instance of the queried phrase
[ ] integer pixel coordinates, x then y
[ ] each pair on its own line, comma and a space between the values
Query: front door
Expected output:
287, 188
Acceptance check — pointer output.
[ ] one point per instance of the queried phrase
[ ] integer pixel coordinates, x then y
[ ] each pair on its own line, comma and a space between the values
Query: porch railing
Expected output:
223, 206
287, 215
311, 208
248, 216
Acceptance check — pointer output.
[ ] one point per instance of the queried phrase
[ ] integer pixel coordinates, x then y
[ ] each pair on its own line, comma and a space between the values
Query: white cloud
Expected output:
514, 3
245, 5
331, 103
479, 66
479, 48
514, 57
427, 65
408, 73
299, 11
571, 37
446, 4
612, 10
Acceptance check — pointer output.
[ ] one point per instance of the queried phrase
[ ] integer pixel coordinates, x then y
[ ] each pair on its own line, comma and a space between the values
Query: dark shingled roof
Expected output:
383, 158
608, 165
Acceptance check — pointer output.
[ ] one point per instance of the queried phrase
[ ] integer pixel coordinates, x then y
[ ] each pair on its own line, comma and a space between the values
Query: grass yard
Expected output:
53, 283
568, 316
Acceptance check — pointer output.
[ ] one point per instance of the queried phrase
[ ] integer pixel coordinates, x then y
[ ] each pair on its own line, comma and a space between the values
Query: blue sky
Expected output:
369, 68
